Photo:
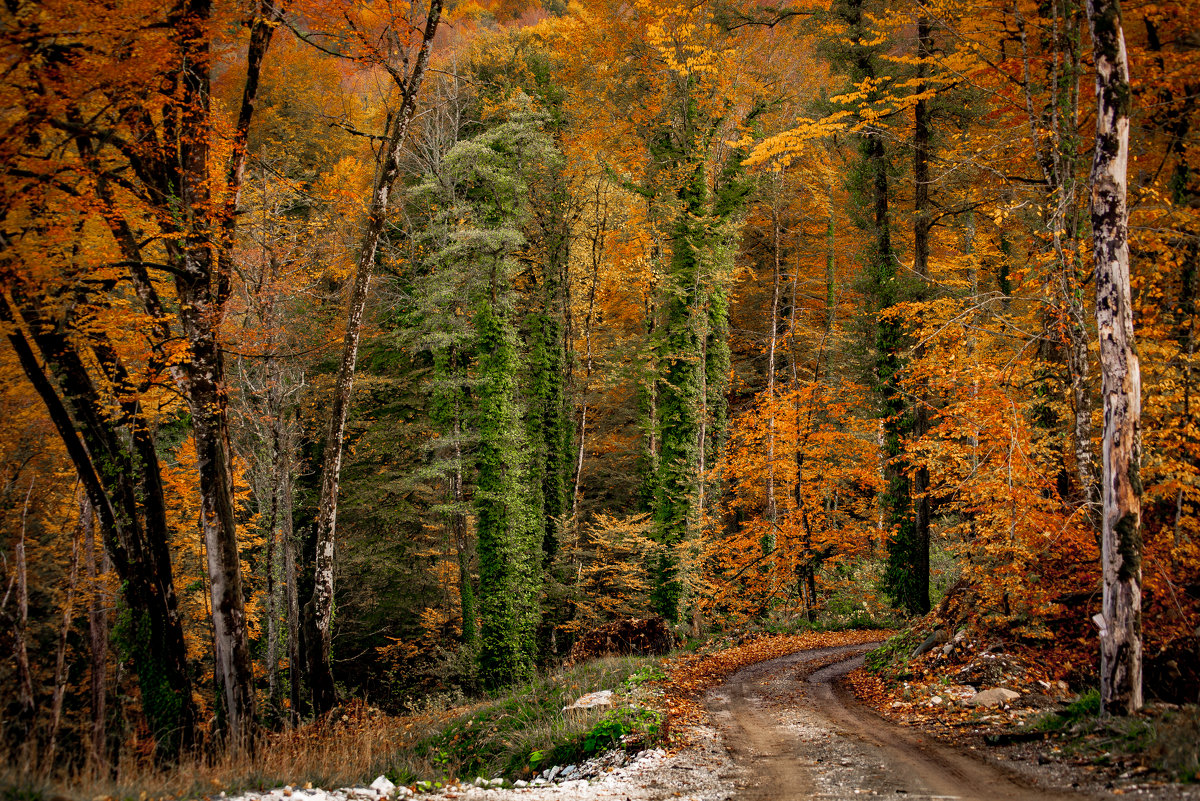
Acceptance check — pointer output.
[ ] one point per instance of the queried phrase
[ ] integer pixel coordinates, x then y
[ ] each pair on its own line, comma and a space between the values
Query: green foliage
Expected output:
623, 726
644, 675
894, 652
693, 351
515, 432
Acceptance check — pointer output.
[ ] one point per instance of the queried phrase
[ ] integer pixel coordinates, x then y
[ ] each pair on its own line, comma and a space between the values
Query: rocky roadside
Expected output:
701, 772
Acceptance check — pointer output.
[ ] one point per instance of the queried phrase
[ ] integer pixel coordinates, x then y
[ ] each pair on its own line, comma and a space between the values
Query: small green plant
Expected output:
1086, 705
644, 675
623, 726
894, 652
401, 775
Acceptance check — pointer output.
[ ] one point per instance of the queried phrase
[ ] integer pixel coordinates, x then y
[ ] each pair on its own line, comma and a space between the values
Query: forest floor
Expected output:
778, 718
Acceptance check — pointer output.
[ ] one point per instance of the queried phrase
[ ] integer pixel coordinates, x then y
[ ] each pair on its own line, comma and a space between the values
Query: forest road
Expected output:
793, 727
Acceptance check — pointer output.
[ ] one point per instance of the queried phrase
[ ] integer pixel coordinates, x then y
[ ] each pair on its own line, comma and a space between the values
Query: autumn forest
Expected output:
377, 350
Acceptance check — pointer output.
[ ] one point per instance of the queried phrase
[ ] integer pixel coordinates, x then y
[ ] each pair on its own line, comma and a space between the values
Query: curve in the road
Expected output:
798, 733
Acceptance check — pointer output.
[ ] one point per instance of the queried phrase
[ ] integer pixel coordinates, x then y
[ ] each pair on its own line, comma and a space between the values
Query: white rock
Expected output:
383, 785
996, 696
520, 783
937, 699
600, 698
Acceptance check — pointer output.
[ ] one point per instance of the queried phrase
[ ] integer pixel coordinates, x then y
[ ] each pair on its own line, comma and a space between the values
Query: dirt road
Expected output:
797, 733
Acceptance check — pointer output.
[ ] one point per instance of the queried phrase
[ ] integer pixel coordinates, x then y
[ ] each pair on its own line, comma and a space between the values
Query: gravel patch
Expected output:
701, 772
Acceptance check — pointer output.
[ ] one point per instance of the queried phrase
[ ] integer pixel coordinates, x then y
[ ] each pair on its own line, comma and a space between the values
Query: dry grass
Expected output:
355, 746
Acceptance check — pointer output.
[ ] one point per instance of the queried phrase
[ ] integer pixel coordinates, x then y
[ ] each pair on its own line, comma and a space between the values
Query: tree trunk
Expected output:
292, 598
60, 656
97, 633
201, 306
25, 699
1120, 622
387, 170
921, 229
597, 256
273, 553
768, 544
125, 490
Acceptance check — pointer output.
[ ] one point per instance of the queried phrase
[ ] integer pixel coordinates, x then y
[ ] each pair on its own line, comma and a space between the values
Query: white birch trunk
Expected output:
387, 170
1120, 621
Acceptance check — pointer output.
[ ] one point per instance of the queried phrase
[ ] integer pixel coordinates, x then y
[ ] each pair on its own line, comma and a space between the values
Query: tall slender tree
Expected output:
1121, 535
319, 609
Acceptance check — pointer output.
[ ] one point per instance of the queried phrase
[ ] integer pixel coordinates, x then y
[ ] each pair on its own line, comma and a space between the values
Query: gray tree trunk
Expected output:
204, 259
1121, 620
60, 656
97, 632
320, 606
25, 696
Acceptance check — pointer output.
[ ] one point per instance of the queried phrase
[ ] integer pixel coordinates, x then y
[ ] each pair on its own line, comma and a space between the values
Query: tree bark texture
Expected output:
320, 606
1120, 621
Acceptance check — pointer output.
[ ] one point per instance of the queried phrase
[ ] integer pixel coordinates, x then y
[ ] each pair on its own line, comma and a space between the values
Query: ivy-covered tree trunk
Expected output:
906, 578
549, 421
509, 540
680, 400
1121, 620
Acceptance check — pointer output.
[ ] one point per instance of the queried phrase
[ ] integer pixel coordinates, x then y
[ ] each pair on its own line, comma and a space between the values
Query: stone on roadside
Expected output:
601, 698
384, 786
996, 696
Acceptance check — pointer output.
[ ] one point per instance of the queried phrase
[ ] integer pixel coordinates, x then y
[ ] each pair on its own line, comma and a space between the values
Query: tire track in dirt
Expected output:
796, 731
